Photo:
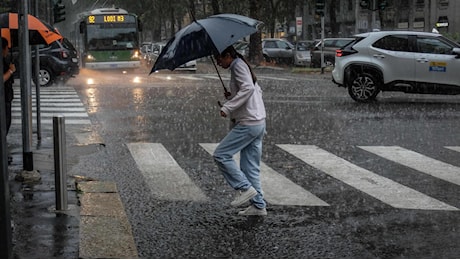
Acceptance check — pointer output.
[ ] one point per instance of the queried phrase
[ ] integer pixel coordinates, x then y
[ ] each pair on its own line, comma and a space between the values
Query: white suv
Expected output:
405, 61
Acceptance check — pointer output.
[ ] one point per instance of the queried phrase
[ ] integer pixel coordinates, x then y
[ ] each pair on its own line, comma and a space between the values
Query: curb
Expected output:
105, 231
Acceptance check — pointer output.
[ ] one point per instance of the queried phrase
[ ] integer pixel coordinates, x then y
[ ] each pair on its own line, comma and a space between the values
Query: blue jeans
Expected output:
248, 141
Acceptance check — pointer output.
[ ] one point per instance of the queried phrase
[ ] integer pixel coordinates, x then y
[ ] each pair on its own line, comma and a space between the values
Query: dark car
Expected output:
58, 62
330, 46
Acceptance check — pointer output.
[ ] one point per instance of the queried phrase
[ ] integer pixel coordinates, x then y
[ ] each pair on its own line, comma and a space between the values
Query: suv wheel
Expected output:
363, 87
45, 78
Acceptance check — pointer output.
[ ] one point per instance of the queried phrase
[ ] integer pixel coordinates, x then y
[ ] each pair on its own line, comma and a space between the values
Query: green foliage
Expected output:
454, 36
160, 16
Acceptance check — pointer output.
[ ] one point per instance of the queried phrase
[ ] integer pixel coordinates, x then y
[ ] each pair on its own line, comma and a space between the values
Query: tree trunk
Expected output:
215, 6
333, 20
192, 9
255, 45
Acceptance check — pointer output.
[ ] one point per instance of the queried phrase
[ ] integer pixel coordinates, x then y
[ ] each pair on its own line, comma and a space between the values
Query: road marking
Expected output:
51, 95
215, 77
278, 190
54, 101
52, 109
164, 176
272, 78
51, 100
454, 148
56, 113
381, 188
50, 121
419, 162
165, 77
189, 77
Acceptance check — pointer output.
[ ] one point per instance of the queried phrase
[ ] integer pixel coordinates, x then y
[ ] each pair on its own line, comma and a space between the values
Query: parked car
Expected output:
404, 61
145, 50
156, 49
242, 47
278, 50
330, 46
58, 62
302, 53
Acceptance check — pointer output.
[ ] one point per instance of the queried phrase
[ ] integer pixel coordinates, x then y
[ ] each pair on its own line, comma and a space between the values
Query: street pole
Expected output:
26, 97
322, 44
374, 8
37, 84
357, 17
5, 217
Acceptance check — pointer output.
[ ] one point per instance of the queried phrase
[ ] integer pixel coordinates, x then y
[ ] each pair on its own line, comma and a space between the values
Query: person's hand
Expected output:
222, 114
12, 67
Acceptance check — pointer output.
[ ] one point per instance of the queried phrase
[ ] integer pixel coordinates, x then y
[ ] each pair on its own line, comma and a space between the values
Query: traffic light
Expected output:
59, 11
319, 7
382, 4
365, 4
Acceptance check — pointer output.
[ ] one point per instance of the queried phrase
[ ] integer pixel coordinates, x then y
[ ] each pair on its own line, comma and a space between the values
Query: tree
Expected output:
255, 45
335, 27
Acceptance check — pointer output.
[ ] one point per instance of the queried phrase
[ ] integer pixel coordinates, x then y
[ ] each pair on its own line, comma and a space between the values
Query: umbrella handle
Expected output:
226, 93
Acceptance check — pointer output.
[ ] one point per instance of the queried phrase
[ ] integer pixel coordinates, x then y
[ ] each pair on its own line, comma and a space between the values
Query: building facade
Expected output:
346, 17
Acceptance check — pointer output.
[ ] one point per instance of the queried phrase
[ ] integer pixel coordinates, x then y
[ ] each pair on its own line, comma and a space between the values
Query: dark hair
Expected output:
234, 54
4, 43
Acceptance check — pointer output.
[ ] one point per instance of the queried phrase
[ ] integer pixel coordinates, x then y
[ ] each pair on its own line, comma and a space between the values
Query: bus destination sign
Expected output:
107, 19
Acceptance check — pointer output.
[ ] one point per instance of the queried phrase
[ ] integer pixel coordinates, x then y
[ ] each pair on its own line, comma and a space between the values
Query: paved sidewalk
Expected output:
94, 224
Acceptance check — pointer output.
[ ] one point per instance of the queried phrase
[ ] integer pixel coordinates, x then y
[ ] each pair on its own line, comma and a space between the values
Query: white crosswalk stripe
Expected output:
168, 181
383, 189
162, 173
189, 77
279, 190
216, 77
454, 148
54, 101
417, 161
272, 78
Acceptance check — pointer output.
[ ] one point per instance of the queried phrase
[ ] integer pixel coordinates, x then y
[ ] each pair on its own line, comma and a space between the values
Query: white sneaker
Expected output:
253, 211
243, 197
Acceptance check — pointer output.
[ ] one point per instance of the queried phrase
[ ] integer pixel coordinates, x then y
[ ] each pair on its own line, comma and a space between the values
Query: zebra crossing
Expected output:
54, 101
168, 181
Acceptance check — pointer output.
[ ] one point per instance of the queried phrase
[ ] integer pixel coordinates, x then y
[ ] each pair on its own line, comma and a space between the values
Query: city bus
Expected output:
108, 38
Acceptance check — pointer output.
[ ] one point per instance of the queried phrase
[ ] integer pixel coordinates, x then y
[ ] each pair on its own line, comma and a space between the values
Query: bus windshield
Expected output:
112, 36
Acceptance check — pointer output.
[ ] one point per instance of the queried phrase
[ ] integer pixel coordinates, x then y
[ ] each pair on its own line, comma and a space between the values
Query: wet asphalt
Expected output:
193, 230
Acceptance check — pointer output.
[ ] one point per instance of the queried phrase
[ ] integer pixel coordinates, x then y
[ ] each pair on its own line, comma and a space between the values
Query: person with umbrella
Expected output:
246, 109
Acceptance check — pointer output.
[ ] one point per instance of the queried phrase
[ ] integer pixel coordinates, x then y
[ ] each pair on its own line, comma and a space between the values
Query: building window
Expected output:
420, 3
443, 4
419, 23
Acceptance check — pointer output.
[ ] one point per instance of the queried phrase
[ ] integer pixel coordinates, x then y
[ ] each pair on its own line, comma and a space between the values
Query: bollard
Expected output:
60, 165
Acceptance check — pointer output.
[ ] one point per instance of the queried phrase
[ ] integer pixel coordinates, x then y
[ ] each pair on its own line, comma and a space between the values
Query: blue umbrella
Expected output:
204, 38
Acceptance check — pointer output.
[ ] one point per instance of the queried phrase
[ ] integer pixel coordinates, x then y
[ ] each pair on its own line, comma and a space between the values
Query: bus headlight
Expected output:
135, 55
90, 57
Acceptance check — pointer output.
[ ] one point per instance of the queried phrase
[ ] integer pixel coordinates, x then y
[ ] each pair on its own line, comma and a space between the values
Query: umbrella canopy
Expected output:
39, 31
203, 38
